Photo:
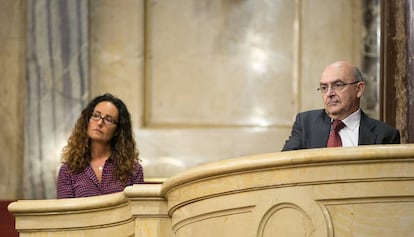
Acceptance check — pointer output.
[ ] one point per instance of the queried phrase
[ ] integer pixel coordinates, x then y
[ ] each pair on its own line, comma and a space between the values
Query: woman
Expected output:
101, 155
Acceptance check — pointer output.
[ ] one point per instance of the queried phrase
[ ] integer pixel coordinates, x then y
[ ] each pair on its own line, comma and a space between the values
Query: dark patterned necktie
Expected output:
334, 139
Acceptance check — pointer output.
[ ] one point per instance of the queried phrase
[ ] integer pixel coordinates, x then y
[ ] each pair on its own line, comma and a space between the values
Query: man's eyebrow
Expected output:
337, 80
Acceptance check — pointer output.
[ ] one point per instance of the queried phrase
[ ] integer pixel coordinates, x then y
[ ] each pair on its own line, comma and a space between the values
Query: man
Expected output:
341, 86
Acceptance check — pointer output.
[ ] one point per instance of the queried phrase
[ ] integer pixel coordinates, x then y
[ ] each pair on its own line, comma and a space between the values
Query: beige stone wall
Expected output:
116, 51
204, 80
209, 80
12, 94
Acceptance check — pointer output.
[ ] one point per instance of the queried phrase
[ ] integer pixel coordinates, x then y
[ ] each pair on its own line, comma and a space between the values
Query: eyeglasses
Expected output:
106, 119
336, 86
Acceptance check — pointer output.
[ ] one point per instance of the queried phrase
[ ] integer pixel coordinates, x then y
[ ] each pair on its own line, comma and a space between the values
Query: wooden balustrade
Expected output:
361, 191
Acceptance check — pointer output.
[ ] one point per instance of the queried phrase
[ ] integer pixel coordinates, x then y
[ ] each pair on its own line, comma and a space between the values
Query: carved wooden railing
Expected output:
362, 191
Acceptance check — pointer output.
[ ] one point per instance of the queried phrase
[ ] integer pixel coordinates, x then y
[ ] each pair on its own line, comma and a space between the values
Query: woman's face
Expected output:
103, 122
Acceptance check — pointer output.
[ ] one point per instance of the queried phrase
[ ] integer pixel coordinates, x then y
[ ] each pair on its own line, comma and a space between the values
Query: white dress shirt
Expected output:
350, 133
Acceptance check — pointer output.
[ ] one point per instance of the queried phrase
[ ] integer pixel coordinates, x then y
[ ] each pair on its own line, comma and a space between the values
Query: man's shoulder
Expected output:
376, 122
312, 117
312, 113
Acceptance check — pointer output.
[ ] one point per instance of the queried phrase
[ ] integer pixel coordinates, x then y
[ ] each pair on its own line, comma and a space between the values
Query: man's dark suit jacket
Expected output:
311, 130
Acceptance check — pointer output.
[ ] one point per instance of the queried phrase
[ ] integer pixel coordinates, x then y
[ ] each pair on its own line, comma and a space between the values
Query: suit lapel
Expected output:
366, 128
322, 126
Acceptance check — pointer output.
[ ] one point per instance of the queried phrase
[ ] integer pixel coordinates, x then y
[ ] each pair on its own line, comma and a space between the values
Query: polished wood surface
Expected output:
342, 192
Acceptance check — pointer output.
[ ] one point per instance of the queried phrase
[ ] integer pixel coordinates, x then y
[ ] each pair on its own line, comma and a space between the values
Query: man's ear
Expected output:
360, 89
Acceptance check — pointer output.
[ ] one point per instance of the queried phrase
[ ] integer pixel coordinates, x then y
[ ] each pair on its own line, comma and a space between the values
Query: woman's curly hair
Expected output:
77, 154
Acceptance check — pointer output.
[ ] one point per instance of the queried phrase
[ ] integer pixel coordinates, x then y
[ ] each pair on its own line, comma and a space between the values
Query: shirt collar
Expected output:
352, 121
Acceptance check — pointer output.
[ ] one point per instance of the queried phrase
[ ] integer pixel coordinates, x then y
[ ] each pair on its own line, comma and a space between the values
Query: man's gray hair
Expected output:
358, 74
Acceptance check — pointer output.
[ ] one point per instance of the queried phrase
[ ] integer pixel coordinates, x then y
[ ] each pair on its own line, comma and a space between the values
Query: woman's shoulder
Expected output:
137, 164
64, 170
64, 166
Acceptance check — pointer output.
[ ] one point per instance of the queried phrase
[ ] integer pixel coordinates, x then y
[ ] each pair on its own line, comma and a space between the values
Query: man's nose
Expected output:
330, 91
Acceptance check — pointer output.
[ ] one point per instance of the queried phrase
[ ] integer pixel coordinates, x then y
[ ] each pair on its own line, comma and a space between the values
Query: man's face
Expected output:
343, 93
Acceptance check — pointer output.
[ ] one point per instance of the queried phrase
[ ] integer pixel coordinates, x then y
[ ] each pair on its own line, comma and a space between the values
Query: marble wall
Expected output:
204, 80
57, 87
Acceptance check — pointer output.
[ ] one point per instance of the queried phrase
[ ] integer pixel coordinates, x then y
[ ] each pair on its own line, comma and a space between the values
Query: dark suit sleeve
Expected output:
373, 131
396, 139
390, 136
294, 141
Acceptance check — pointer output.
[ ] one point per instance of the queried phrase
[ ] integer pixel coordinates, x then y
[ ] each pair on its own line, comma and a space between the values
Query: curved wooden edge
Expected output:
67, 204
289, 158
143, 191
214, 169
